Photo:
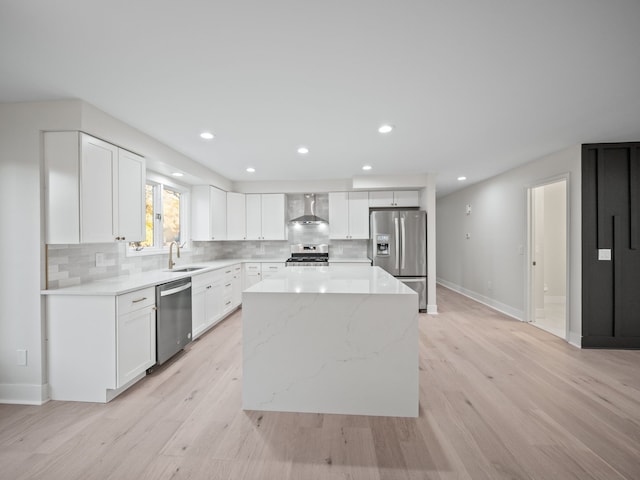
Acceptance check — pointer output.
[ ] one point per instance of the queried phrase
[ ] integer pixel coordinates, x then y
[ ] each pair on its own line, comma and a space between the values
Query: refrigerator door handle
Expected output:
403, 241
397, 242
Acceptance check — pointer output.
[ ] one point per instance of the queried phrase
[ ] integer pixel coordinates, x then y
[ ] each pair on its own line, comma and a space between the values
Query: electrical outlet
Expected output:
467, 236
100, 261
22, 357
489, 285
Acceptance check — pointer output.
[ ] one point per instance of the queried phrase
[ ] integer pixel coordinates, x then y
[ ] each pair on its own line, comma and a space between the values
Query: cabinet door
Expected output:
236, 296
200, 213
136, 343
218, 214
273, 216
251, 274
409, 198
339, 215
236, 216
98, 171
381, 199
254, 216
130, 198
198, 310
359, 215
215, 301
208, 213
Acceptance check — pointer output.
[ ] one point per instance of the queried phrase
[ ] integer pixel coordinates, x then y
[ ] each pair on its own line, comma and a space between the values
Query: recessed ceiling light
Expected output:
367, 167
207, 135
303, 150
251, 169
385, 128
178, 174
462, 179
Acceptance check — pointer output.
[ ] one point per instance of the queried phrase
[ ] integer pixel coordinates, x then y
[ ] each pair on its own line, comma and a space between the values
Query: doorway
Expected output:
547, 295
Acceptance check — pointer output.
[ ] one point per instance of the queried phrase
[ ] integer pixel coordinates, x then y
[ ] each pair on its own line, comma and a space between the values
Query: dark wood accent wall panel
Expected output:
611, 221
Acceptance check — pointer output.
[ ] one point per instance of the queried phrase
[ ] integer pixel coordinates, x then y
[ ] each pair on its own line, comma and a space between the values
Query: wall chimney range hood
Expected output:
309, 217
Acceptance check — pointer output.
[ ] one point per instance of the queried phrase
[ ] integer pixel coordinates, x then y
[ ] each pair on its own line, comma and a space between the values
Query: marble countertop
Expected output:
350, 260
128, 283
331, 280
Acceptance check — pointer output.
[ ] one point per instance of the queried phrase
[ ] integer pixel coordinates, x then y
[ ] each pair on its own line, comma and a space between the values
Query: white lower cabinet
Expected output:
136, 342
252, 274
206, 301
269, 269
236, 297
98, 345
213, 296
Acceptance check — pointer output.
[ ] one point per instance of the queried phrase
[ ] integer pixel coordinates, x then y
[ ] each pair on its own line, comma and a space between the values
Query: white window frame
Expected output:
159, 183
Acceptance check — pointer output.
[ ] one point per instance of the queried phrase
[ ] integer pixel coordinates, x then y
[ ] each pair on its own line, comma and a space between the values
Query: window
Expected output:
165, 218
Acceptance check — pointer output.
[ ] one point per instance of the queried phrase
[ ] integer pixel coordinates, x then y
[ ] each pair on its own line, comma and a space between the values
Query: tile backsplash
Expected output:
69, 265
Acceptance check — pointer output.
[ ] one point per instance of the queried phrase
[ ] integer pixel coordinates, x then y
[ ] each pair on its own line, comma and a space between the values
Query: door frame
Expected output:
529, 312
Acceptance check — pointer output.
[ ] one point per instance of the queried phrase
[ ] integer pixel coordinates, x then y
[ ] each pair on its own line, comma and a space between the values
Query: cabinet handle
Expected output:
139, 300
228, 302
228, 271
228, 285
154, 308
208, 287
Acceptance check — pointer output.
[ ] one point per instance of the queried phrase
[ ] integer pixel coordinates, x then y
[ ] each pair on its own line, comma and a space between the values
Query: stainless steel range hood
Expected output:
309, 217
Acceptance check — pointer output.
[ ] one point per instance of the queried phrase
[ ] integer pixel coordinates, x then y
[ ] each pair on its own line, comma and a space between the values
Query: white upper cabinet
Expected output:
236, 216
400, 198
265, 216
131, 201
94, 190
208, 213
349, 215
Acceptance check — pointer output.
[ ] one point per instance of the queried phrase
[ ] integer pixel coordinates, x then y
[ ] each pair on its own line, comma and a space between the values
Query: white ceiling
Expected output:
473, 87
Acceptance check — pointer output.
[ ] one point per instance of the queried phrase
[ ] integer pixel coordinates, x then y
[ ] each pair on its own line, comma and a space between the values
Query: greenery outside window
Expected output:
165, 218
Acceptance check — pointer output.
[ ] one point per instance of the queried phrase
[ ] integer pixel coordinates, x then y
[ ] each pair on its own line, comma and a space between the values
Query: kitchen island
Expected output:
331, 340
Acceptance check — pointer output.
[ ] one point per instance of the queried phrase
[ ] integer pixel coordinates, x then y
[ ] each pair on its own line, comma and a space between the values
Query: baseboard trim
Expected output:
489, 302
21, 394
575, 339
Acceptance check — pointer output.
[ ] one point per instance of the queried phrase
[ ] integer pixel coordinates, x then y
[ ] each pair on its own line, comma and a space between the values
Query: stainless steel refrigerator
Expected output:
399, 245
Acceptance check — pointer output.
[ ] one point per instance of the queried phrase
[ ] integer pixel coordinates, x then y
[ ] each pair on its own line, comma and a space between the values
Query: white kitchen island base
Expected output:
331, 340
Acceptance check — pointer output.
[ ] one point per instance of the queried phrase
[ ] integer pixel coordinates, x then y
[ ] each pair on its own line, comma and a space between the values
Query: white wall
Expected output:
491, 265
21, 243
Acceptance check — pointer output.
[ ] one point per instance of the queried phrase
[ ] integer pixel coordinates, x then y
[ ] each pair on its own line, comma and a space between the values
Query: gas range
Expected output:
307, 255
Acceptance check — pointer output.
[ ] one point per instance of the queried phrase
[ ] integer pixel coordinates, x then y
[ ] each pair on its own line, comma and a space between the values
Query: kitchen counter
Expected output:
128, 283
331, 340
333, 279
350, 260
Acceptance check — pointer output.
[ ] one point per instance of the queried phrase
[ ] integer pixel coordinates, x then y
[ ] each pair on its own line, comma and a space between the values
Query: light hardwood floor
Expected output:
498, 399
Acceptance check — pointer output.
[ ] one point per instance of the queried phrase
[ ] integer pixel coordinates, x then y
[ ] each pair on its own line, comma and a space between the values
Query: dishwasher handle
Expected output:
173, 291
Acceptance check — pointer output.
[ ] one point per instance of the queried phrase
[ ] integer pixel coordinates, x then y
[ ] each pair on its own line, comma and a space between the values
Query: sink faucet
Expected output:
171, 262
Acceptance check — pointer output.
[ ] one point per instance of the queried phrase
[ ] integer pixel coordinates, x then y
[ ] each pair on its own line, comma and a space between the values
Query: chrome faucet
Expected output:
171, 262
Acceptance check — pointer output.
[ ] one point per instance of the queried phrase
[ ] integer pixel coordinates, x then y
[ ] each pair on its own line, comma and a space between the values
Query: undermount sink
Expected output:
185, 269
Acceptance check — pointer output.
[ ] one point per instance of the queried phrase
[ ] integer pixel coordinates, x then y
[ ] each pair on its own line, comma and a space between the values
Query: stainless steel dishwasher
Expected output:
173, 318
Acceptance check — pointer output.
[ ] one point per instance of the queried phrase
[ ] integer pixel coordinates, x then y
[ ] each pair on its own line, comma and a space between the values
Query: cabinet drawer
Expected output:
132, 301
252, 267
204, 279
